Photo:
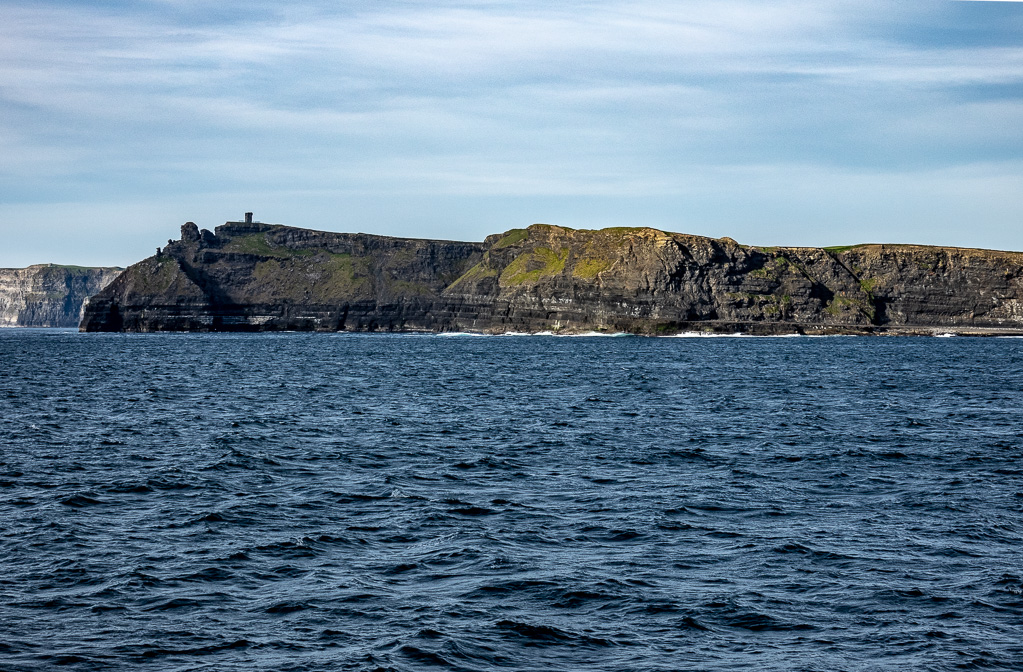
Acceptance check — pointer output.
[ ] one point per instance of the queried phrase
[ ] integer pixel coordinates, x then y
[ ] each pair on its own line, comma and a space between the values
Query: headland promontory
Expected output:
250, 276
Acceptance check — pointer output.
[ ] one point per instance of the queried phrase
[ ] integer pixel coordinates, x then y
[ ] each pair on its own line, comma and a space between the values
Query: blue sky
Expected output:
792, 122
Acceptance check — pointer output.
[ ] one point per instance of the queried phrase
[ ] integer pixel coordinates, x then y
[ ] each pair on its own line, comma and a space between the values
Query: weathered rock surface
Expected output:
252, 276
47, 295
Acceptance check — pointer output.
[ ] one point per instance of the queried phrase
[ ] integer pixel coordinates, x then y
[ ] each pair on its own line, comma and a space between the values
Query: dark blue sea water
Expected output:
412, 502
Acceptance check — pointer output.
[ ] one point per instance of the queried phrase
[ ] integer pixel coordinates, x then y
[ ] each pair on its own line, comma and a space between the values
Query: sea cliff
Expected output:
48, 295
249, 276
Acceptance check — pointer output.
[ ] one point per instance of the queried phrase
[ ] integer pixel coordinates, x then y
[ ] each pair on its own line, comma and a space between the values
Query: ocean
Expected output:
302, 501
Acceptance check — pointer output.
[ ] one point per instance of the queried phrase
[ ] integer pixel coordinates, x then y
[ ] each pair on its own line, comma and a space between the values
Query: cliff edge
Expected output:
250, 276
48, 295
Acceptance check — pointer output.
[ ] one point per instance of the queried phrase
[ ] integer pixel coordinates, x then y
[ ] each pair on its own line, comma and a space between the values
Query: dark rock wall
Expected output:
263, 277
254, 277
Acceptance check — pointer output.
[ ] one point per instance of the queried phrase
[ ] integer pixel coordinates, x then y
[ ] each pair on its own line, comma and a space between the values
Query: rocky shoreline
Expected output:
250, 276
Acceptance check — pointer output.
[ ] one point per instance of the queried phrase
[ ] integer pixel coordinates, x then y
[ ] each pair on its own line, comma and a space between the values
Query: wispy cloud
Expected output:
169, 102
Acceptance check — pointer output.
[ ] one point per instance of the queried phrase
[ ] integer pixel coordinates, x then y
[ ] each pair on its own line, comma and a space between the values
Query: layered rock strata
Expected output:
251, 276
48, 295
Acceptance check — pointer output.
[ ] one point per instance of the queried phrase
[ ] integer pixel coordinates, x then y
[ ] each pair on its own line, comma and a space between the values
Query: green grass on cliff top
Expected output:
512, 237
843, 248
256, 243
80, 269
627, 229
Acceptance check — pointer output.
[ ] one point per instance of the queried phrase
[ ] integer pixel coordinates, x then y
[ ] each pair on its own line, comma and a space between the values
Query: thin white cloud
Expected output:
508, 99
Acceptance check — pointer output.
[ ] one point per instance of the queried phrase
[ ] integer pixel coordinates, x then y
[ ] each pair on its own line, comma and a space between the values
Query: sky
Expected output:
791, 122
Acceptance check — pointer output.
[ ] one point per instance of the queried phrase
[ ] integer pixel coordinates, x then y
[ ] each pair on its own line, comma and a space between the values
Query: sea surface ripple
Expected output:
415, 502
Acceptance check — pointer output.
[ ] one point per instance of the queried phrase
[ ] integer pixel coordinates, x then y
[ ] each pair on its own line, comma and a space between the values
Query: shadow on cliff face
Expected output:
113, 318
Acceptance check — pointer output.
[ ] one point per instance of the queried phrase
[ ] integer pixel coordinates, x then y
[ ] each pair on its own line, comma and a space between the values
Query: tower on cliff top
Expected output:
248, 217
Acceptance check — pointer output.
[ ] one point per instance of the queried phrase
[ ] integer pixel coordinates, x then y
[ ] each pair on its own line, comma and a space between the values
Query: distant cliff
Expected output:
47, 295
251, 276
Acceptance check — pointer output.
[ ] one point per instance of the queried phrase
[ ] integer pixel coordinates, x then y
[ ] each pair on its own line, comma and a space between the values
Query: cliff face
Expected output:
258, 276
252, 277
47, 295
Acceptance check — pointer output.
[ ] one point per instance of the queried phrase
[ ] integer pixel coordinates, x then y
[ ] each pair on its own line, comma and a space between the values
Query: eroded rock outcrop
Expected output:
253, 276
48, 295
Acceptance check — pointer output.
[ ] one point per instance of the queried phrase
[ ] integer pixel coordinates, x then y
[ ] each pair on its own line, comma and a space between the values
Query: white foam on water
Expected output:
705, 334
583, 334
602, 334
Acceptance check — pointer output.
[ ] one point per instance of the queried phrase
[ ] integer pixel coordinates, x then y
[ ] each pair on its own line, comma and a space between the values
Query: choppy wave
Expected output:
313, 502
